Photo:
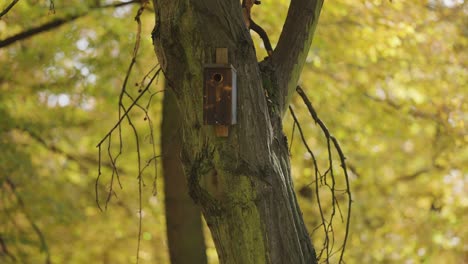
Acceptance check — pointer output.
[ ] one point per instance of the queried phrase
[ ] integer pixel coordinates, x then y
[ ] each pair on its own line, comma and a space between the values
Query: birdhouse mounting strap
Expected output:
222, 56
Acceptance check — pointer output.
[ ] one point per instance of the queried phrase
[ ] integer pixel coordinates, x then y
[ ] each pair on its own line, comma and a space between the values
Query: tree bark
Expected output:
242, 183
183, 217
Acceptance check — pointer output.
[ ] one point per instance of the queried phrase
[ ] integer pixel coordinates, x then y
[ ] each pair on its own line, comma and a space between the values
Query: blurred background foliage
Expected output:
389, 78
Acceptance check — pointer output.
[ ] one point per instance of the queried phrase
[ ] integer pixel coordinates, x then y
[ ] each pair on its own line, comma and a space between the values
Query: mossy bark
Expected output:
183, 217
242, 183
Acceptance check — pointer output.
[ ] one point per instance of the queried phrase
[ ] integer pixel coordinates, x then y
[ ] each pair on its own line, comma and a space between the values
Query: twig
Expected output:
96, 183
128, 110
348, 192
10, 6
124, 113
114, 171
150, 125
337, 147
140, 183
317, 176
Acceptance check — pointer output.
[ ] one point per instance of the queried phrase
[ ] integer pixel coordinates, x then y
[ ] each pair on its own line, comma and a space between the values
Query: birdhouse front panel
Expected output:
220, 95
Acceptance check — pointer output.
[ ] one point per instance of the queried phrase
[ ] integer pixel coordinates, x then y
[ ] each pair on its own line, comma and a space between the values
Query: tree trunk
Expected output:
242, 183
183, 217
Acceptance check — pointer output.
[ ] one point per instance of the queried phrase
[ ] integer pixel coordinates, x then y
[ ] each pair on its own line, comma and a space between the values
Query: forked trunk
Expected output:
242, 182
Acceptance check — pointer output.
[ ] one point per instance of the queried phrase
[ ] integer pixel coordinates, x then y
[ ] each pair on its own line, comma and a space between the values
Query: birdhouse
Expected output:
219, 95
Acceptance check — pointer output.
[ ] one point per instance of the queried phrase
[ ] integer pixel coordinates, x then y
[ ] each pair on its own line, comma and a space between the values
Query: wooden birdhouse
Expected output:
219, 98
220, 94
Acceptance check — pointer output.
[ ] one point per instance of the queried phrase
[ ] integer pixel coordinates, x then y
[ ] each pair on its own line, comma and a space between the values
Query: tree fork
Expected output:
242, 182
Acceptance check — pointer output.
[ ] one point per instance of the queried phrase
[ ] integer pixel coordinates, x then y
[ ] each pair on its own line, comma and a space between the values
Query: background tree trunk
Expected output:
242, 183
183, 217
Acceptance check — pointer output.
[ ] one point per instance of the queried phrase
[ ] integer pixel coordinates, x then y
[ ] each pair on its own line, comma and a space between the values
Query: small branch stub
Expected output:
220, 94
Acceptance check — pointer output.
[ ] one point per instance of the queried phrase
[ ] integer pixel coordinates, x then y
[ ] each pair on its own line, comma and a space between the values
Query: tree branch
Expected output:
55, 24
330, 138
293, 46
37, 30
10, 6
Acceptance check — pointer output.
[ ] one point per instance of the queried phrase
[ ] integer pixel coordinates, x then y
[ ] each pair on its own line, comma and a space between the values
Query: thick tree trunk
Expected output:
183, 217
243, 182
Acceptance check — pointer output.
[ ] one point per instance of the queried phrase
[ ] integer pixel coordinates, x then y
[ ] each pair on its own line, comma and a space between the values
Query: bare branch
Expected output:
56, 23
331, 138
124, 113
10, 6
129, 109
317, 177
96, 184
37, 30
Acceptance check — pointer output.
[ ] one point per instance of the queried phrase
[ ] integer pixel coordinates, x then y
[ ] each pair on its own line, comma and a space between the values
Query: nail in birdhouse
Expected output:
220, 95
